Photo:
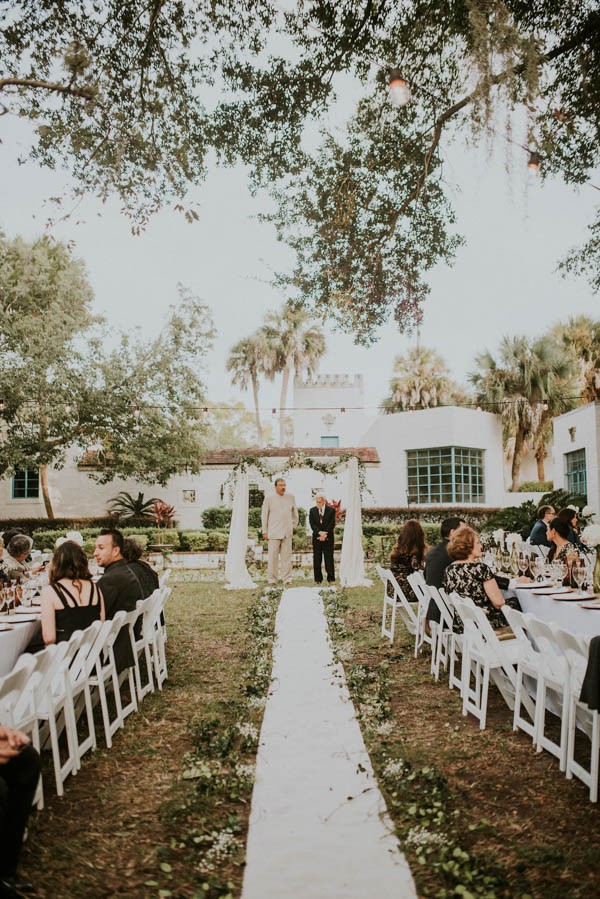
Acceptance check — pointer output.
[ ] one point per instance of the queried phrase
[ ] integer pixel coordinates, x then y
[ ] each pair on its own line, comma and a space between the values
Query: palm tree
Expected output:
531, 383
421, 381
579, 336
247, 360
295, 346
128, 506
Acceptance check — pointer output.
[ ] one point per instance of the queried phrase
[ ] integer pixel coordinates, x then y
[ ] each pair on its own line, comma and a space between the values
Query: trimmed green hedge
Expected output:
33, 525
536, 486
204, 541
475, 516
216, 518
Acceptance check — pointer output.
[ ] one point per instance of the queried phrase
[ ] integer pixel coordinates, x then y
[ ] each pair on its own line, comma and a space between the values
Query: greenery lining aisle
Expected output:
165, 811
478, 813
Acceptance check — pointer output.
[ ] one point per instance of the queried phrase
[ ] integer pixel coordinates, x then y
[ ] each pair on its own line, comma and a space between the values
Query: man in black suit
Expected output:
321, 519
437, 560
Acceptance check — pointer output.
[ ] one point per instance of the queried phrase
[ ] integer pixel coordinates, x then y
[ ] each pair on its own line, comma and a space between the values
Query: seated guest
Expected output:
468, 575
70, 601
19, 774
120, 588
437, 560
408, 555
561, 550
15, 556
539, 532
146, 575
571, 517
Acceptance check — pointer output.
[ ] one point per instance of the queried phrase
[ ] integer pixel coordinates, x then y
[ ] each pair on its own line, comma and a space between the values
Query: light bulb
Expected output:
399, 89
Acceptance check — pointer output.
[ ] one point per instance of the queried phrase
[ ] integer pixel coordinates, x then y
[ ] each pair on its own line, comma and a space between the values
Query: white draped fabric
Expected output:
236, 573
352, 563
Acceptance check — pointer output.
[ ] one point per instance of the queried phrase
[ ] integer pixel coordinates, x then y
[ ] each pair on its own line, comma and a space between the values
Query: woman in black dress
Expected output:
146, 575
70, 601
408, 556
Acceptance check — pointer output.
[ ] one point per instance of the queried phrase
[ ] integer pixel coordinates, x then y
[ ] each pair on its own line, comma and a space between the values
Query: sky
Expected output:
504, 280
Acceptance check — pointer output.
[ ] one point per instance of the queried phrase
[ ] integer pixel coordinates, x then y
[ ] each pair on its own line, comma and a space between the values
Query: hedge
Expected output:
204, 540
216, 517
32, 525
475, 516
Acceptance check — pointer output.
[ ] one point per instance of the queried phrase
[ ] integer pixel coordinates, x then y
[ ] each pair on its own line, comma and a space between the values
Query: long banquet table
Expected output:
14, 642
568, 615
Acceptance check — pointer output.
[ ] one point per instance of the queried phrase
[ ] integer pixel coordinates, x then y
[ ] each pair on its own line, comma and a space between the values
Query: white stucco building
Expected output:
577, 452
329, 411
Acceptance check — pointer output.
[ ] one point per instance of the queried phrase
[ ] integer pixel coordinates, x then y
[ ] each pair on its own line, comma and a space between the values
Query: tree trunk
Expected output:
540, 457
259, 431
517, 461
45, 491
285, 379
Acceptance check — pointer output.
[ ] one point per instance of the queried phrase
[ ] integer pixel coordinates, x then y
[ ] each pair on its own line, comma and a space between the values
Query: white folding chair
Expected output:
550, 669
580, 716
16, 708
445, 643
79, 672
487, 658
106, 679
164, 577
397, 603
52, 704
417, 582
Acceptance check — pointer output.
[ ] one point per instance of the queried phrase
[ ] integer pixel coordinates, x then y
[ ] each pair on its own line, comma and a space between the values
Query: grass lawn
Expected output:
164, 812
512, 824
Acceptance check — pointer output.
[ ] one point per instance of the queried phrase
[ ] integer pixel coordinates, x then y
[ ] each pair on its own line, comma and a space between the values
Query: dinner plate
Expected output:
5, 627
18, 619
593, 604
539, 585
570, 597
553, 591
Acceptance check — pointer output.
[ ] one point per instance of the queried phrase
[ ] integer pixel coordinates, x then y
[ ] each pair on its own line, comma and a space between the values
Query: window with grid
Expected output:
26, 484
445, 474
330, 441
575, 472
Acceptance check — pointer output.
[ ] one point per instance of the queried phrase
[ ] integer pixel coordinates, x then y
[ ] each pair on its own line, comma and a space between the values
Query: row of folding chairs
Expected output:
55, 690
541, 669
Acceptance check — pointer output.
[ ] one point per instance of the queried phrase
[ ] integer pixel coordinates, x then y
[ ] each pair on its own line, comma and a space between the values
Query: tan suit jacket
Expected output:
279, 516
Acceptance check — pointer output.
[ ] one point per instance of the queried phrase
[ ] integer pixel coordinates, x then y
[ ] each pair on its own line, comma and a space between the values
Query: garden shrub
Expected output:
194, 541
216, 517
34, 525
164, 537
520, 519
536, 486
254, 520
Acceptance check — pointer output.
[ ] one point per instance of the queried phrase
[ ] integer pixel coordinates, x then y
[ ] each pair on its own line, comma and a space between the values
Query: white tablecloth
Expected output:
13, 643
568, 615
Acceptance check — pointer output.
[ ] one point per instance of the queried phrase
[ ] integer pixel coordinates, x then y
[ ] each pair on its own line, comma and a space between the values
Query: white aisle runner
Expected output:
319, 828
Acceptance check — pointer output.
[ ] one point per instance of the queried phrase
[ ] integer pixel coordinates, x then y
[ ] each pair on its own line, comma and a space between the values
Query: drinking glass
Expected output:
578, 572
522, 563
535, 566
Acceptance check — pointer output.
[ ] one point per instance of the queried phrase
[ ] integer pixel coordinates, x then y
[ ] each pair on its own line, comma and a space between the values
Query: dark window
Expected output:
446, 474
575, 472
26, 484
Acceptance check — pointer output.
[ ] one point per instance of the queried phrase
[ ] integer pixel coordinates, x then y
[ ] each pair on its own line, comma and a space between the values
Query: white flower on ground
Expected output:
384, 729
393, 770
419, 836
247, 730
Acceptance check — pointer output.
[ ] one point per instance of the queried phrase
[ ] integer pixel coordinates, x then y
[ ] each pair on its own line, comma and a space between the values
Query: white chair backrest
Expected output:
441, 601
15, 692
80, 667
417, 582
575, 648
164, 577
518, 623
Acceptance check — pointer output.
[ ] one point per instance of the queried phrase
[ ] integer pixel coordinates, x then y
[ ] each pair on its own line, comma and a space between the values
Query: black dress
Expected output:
468, 579
74, 617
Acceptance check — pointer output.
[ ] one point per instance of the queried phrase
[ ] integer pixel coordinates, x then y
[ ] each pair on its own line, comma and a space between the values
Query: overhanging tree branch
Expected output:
85, 93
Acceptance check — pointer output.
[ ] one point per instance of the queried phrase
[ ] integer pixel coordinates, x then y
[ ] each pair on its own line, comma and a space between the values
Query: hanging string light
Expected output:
399, 88
136, 412
534, 162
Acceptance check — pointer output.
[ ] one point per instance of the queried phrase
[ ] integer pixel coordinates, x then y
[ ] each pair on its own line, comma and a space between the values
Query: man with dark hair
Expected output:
539, 532
321, 519
437, 560
19, 775
119, 587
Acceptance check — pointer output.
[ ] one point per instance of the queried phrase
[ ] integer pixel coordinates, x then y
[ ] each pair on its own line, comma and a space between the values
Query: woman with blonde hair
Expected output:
468, 575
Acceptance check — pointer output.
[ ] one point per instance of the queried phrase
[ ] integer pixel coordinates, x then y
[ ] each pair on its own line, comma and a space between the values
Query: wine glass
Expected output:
522, 563
535, 566
514, 565
578, 572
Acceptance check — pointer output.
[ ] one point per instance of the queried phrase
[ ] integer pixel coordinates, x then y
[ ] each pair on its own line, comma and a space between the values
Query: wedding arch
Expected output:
352, 562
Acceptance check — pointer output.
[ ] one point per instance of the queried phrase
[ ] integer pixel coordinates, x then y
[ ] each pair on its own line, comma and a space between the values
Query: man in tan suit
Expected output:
279, 518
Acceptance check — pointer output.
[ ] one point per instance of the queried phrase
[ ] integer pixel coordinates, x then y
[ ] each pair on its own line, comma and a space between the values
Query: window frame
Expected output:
576, 476
445, 475
31, 482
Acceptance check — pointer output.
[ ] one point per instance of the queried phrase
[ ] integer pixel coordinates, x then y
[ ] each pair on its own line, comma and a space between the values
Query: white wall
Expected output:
427, 428
579, 429
317, 410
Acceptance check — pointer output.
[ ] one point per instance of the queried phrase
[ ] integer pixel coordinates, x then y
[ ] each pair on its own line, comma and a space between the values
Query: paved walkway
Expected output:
319, 828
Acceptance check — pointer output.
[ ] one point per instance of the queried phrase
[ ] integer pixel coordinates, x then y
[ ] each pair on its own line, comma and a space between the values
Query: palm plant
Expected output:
127, 506
579, 336
247, 360
531, 382
295, 345
421, 381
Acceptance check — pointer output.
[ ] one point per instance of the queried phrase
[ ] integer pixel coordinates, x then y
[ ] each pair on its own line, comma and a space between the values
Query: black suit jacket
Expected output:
327, 525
